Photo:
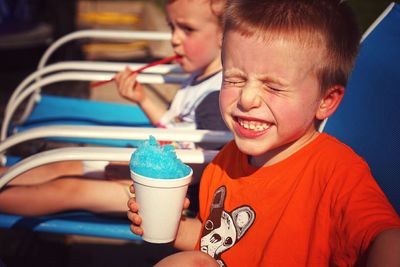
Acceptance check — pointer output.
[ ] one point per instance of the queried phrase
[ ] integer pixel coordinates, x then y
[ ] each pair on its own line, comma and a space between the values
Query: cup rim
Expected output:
160, 182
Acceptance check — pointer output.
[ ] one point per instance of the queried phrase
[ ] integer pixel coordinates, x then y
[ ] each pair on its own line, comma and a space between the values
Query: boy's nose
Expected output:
175, 39
249, 97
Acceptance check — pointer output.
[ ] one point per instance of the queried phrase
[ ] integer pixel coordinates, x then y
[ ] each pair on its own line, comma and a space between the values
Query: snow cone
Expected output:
161, 181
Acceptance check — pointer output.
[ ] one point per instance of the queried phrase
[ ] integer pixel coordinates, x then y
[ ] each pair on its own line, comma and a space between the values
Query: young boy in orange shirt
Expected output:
283, 194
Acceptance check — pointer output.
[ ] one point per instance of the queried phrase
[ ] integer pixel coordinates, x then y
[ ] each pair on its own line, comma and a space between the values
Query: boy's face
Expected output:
270, 95
196, 34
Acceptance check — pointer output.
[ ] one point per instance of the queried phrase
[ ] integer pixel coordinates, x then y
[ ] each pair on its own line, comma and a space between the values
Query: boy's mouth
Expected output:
179, 60
253, 125
179, 56
250, 128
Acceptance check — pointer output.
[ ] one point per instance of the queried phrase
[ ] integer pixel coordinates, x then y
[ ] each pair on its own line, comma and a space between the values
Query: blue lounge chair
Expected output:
43, 109
79, 222
68, 111
369, 117
46, 110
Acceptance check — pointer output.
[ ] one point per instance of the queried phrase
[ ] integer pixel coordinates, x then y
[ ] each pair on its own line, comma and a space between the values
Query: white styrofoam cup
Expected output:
160, 205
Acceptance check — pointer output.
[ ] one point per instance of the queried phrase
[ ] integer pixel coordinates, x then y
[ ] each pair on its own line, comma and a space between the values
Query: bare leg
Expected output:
117, 170
47, 172
41, 190
188, 258
66, 194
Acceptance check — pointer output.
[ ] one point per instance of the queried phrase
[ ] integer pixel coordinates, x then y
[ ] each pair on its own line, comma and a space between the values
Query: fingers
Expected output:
126, 83
134, 217
136, 221
122, 75
132, 205
132, 189
136, 229
186, 203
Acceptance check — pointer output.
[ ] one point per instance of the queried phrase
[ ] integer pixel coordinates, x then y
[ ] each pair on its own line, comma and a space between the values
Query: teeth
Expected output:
254, 125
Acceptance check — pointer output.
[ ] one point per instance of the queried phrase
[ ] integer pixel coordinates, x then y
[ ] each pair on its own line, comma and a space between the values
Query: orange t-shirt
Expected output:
319, 207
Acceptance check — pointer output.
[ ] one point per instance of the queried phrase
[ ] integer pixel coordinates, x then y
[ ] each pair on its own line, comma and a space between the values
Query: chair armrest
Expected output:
94, 154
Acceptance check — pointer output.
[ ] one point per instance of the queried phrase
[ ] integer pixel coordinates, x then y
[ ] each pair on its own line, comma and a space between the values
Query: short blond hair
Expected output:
329, 22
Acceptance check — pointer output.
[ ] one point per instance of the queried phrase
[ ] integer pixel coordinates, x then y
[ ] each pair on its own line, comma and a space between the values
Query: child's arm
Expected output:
188, 258
66, 193
188, 233
385, 250
132, 90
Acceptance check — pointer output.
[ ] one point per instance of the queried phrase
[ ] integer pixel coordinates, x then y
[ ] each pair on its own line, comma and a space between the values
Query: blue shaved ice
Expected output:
155, 161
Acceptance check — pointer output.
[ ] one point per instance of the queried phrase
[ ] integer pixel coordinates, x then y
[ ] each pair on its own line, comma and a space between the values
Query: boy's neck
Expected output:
203, 78
282, 153
212, 68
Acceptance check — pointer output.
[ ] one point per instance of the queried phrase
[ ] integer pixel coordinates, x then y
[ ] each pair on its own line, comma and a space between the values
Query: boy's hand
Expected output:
134, 217
128, 87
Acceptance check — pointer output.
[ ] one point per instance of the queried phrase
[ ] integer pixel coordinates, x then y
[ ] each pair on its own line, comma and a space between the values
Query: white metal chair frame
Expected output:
121, 35
114, 133
22, 93
172, 74
30, 85
96, 71
94, 154
91, 224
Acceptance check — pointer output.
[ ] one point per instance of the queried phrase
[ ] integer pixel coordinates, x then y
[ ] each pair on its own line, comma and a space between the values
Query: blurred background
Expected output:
27, 28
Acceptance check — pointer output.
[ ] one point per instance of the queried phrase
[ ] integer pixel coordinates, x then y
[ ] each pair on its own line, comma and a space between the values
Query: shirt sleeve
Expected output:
208, 116
361, 212
173, 109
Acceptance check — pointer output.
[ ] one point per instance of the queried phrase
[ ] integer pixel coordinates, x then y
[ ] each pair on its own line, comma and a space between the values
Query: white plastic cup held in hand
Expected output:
160, 205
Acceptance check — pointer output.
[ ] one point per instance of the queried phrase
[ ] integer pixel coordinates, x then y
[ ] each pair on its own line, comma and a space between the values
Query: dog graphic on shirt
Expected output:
224, 229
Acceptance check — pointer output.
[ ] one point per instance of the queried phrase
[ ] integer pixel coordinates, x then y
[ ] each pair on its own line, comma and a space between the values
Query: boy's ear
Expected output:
330, 102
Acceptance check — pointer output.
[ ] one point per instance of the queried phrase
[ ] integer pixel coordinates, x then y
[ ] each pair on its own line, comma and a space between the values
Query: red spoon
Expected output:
155, 63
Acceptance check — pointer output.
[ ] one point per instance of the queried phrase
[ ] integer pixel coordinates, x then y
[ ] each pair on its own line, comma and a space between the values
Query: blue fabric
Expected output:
11, 160
369, 117
80, 223
66, 110
56, 110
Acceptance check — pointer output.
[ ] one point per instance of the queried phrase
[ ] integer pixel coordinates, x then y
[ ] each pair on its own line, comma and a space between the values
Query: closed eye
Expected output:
274, 84
234, 82
273, 89
233, 77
